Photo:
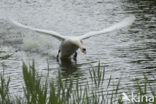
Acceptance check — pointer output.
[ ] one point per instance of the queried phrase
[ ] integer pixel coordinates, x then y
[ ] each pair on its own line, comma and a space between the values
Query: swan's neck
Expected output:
78, 43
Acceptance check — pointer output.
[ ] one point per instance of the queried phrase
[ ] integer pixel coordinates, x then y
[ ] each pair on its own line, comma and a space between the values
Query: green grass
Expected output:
59, 91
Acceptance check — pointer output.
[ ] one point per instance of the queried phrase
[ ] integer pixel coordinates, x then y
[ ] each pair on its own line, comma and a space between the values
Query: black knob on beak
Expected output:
84, 49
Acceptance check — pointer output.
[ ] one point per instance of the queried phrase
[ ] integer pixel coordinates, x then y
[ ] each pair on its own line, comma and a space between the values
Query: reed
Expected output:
4, 89
59, 91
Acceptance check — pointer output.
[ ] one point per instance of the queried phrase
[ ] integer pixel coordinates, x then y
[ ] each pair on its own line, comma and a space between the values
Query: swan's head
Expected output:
79, 44
83, 50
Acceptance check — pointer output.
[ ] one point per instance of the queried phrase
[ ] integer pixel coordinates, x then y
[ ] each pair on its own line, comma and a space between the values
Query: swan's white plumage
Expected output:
46, 32
69, 45
124, 23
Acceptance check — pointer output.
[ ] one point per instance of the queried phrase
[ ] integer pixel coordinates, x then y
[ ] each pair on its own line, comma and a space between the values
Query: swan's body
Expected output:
69, 45
67, 48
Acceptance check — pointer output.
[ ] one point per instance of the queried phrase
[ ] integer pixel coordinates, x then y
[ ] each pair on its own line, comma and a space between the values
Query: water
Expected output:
125, 54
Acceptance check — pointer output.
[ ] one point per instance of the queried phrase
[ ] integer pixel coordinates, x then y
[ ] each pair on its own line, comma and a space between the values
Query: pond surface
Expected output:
125, 54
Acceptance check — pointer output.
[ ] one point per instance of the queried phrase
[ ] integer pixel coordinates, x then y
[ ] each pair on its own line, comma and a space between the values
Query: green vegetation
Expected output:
4, 90
4, 57
41, 90
2, 51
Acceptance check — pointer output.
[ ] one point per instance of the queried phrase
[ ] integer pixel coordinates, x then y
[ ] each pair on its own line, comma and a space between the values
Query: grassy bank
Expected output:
58, 91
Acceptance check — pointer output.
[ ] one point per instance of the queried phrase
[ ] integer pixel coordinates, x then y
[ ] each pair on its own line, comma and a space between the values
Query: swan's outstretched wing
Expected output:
46, 32
126, 22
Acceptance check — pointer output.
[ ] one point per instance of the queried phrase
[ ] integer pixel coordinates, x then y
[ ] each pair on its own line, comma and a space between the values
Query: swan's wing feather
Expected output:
46, 32
124, 23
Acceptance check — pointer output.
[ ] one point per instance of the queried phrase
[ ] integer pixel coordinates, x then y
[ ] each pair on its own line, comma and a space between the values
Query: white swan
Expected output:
70, 44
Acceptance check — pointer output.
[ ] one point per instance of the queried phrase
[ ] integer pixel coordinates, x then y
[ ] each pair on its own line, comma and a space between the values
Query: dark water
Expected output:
125, 54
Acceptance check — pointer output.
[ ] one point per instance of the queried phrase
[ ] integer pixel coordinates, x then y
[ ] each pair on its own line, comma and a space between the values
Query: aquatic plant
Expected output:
4, 57
59, 91
4, 89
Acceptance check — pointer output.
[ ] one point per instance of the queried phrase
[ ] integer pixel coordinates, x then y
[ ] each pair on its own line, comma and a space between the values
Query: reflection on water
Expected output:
126, 54
68, 67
